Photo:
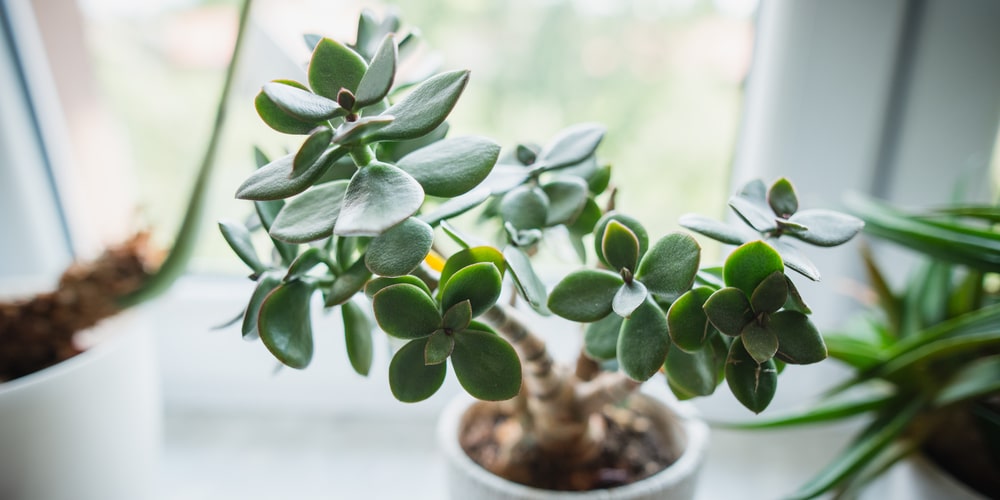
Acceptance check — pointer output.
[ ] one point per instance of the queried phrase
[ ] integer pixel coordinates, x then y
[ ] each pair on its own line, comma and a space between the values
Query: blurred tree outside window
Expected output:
665, 76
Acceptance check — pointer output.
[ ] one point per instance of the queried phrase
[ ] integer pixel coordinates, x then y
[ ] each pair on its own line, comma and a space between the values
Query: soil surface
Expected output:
634, 449
39, 332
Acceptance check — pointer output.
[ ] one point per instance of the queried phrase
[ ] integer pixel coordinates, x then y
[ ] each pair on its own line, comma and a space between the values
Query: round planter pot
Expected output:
86, 428
467, 479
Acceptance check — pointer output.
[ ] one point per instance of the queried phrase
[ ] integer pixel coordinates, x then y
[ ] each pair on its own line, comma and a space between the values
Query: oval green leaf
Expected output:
619, 247
729, 311
304, 263
567, 198
451, 167
276, 181
572, 145
687, 321
238, 237
378, 197
718, 231
333, 66
827, 228
377, 80
358, 337
760, 341
373, 286
400, 249
669, 268
310, 216
285, 325
486, 365
405, 311
458, 316
439, 346
692, 374
348, 284
279, 119
630, 222
467, 257
311, 150
585, 295
480, 284
306, 107
526, 281
770, 294
421, 111
750, 264
753, 384
782, 199
600, 340
525, 207
266, 284
799, 341
628, 298
643, 342
411, 379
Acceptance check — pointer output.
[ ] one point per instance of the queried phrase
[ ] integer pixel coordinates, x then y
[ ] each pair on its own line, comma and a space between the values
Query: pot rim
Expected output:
82, 359
696, 444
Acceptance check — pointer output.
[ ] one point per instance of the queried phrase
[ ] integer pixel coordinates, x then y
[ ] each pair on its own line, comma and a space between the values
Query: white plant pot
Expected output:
468, 480
88, 428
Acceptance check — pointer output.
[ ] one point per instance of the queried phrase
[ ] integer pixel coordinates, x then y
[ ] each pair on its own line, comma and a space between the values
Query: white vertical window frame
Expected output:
898, 98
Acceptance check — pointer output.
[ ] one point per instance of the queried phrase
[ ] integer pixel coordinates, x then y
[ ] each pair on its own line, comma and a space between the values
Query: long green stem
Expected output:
187, 235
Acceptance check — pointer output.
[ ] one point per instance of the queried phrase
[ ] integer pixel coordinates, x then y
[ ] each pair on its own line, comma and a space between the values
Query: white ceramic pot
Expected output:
88, 428
468, 480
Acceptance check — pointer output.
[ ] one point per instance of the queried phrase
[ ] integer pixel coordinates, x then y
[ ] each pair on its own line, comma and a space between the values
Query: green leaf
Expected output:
333, 67
275, 181
373, 286
467, 257
400, 249
628, 298
587, 219
794, 258
669, 268
688, 324
585, 296
300, 104
440, 345
633, 224
405, 311
826, 411
266, 284
750, 264
770, 294
976, 379
487, 366
601, 337
480, 284
304, 263
456, 206
525, 207
425, 108
238, 238
799, 342
879, 434
694, 373
348, 284
358, 337
567, 197
310, 216
782, 199
267, 211
643, 342
451, 167
526, 281
729, 310
311, 150
753, 384
355, 132
794, 301
458, 316
572, 145
395, 151
285, 324
619, 247
760, 341
827, 228
411, 379
377, 80
279, 119
378, 197
716, 230
751, 205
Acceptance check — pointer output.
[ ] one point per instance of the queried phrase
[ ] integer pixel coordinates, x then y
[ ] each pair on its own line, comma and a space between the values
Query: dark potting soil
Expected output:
633, 449
39, 332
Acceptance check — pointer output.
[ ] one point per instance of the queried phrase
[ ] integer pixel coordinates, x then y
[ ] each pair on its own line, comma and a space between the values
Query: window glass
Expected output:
664, 75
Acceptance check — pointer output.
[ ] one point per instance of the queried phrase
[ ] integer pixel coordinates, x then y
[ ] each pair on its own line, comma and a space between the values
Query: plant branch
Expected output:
605, 388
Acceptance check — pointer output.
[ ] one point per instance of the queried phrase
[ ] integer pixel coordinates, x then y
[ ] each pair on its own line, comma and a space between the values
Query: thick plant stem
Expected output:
558, 423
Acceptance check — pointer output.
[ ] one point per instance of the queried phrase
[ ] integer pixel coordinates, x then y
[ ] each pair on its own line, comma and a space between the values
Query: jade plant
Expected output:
925, 361
365, 211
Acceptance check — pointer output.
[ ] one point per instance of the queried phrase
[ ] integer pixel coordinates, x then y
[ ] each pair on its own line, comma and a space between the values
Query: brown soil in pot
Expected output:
39, 332
635, 447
